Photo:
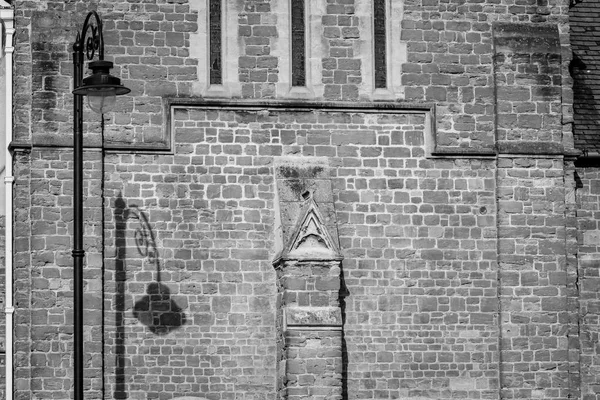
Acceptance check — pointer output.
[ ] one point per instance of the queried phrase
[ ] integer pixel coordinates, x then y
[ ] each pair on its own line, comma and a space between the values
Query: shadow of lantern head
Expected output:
158, 311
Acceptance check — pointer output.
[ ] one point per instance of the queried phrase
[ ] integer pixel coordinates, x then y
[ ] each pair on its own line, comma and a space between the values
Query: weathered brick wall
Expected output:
155, 46
588, 193
22, 279
257, 66
533, 278
528, 76
534, 252
420, 267
458, 273
43, 274
212, 329
418, 236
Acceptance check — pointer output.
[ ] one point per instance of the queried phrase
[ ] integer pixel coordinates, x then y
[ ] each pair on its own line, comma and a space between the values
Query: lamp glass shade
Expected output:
101, 88
102, 101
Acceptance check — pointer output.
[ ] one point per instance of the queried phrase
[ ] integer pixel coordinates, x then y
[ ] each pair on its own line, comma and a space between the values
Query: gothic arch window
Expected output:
216, 41
298, 19
299, 47
382, 52
379, 43
216, 49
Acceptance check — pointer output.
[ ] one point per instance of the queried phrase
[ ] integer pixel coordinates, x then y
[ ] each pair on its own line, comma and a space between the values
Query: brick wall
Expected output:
419, 250
157, 51
43, 273
210, 327
460, 271
421, 271
533, 283
588, 241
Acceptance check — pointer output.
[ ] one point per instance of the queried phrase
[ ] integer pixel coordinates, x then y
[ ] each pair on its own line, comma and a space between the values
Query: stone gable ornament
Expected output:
311, 239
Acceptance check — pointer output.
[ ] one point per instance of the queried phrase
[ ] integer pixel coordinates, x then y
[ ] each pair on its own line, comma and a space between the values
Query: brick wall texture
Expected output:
468, 231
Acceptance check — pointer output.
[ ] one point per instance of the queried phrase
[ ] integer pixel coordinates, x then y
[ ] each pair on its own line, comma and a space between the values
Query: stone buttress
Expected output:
308, 268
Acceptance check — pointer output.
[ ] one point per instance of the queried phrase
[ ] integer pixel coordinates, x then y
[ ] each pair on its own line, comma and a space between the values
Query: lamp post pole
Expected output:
78, 251
101, 88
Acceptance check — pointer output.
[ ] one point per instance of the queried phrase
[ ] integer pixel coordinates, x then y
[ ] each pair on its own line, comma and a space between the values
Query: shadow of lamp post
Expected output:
101, 88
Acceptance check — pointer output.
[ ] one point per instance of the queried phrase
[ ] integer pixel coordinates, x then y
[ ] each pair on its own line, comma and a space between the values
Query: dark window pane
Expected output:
216, 65
298, 43
379, 48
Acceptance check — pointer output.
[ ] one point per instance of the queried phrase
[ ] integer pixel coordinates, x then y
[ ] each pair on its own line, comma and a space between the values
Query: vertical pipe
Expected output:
78, 251
8, 21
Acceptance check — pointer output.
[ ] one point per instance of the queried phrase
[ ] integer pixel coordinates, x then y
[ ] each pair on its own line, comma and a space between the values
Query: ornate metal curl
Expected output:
92, 44
91, 38
144, 237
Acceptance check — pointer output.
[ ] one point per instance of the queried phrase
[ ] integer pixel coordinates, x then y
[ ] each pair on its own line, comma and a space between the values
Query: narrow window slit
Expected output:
298, 43
215, 37
379, 25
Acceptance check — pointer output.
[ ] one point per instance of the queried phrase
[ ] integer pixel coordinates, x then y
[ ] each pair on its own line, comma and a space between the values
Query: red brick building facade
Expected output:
316, 199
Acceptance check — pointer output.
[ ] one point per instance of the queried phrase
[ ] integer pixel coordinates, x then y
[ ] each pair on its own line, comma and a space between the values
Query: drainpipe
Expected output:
7, 19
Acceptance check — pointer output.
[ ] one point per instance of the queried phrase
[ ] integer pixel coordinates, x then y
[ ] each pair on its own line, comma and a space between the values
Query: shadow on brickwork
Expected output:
344, 292
120, 279
156, 310
585, 107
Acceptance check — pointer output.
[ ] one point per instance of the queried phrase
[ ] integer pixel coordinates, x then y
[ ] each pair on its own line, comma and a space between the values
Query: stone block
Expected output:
313, 316
428, 304
554, 304
221, 304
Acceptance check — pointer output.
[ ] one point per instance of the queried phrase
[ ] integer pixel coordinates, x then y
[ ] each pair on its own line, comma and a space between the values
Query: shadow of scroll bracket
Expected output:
157, 310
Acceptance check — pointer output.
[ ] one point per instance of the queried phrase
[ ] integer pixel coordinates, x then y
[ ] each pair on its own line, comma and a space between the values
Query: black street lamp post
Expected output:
101, 89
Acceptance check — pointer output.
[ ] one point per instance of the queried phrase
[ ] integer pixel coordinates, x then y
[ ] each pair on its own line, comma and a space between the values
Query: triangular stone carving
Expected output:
310, 238
4, 4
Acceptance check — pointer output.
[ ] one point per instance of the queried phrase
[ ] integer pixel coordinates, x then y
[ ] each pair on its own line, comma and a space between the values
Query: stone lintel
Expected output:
321, 317
533, 148
325, 259
445, 151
